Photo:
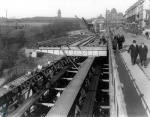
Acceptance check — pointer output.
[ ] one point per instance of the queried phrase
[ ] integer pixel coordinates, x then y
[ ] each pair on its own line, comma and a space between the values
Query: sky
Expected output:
69, 8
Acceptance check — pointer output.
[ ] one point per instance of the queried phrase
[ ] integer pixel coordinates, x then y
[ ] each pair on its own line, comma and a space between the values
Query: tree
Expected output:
13, 37
9, 57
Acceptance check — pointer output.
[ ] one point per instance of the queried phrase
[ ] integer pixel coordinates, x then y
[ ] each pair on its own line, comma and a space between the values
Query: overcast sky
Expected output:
69, 8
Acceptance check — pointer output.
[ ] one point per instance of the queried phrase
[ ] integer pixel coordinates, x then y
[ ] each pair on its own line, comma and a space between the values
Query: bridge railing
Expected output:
117, 104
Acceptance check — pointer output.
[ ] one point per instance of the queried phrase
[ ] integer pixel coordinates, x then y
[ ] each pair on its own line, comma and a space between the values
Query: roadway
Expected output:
134, 78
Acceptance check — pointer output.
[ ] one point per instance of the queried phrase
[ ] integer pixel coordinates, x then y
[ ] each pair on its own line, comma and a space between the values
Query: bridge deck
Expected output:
65, 101
88, 46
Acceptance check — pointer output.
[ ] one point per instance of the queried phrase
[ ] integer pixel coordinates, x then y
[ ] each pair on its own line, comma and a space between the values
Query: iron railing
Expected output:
117, 104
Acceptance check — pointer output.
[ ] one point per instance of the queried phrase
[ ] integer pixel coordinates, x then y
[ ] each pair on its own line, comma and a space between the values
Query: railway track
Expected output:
62, 41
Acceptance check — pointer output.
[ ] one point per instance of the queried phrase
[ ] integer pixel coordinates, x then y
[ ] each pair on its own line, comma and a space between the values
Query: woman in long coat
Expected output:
143, 50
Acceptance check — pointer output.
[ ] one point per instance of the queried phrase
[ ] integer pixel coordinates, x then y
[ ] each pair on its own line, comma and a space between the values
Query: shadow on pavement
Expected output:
138, 61
148, 61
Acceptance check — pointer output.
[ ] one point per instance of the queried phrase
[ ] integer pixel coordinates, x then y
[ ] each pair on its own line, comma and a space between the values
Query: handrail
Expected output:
117, 103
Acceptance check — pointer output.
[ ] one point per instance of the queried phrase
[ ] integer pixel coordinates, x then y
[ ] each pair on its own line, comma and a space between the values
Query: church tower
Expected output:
59, 13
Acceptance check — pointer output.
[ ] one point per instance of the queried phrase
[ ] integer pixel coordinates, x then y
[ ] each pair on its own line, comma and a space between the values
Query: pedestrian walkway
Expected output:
147, 42
138, 36
134, 105
136, 79
140, 81
121, 30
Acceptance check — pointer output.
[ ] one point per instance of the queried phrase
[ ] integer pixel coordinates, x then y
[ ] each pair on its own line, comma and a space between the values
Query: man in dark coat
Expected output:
118, 37
120, 41
143, 50
114, 43
133, 50
123, 39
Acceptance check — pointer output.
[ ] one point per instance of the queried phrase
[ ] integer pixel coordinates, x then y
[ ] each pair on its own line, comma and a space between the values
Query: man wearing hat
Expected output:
143, 50
133, 50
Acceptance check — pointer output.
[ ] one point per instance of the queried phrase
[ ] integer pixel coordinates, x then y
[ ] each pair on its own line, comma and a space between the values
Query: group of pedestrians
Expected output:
134, 49
140, 50
118, 42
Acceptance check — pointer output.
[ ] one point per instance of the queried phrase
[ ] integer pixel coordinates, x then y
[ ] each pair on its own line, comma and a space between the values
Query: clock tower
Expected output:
59, 13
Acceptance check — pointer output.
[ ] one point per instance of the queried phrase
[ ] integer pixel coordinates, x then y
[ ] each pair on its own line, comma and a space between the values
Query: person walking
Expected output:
114, 43
143, 50
147, 35
133, 50
123, 40
119, 40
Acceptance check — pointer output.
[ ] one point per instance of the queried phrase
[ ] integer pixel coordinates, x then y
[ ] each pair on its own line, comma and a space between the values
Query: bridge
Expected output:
87, 80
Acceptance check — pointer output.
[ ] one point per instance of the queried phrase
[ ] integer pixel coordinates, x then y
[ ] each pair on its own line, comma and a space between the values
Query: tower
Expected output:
59, 13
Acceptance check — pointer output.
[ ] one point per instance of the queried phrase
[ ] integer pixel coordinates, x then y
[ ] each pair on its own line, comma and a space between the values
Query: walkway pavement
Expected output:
133, 101
139, 78
139, 39
140, 81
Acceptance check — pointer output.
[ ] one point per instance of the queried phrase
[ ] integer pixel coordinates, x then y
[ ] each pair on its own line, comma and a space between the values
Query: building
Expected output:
147, 17
132, 13
132, 18
39, 21
101, 20
125, 18
138, 13
113, 18
143, 8
98, 22
30, 53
